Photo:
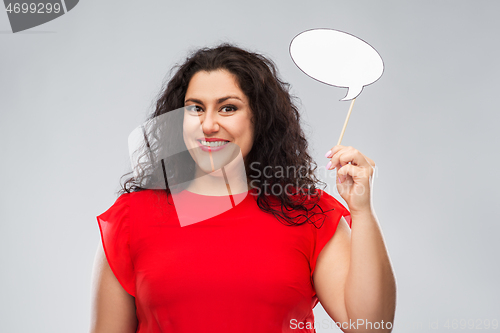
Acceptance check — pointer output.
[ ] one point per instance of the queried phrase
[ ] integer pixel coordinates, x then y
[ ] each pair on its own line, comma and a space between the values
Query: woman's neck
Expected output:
218, 186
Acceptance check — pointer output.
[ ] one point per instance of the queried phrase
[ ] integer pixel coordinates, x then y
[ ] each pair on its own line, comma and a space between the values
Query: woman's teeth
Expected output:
213, 143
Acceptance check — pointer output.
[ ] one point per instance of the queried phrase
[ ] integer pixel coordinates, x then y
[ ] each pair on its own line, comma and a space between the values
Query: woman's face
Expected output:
218, 119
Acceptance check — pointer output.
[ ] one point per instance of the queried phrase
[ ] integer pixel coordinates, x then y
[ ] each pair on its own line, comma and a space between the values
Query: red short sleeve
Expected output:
114, 225
334, 210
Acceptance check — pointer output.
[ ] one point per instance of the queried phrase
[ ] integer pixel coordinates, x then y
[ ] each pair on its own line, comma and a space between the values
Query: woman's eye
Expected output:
229, 108
193, 109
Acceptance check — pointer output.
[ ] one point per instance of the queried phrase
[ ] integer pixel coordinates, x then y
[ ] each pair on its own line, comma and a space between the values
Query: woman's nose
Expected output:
209, 122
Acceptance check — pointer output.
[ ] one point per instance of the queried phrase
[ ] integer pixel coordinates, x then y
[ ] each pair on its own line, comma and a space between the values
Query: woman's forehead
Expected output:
214, 85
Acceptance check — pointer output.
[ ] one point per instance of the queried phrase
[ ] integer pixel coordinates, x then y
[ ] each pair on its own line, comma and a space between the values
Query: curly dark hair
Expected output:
279, 142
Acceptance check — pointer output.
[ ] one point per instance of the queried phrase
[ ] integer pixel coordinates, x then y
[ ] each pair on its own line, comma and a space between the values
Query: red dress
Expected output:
239, 271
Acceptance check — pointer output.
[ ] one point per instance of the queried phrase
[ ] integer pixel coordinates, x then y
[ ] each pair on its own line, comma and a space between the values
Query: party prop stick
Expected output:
346, 121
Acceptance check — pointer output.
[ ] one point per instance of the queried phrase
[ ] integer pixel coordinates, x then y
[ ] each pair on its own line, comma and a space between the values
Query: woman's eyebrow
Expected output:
219, 101
194, 100
223, 99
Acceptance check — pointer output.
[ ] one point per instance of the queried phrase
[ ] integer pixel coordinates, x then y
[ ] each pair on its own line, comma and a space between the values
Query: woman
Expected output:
172, 260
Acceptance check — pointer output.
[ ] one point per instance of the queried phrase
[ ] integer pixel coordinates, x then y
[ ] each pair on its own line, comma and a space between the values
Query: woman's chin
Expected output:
213, 173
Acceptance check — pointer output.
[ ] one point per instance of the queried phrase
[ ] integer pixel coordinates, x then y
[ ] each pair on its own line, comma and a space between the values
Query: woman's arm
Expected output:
370, 290
113, 309
353, 277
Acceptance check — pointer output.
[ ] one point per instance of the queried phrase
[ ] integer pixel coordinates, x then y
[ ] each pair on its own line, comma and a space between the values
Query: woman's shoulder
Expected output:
330, 203
150, 204
147, 195
144, 199
320, 205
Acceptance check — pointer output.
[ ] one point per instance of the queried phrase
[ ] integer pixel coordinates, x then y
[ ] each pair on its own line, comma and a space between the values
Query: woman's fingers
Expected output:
340, 156
359, 175
355, 172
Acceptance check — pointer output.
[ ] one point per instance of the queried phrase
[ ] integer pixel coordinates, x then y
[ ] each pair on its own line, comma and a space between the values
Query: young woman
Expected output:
218, 249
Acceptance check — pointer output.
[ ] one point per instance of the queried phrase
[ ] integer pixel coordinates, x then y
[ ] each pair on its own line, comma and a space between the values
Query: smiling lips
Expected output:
211, 144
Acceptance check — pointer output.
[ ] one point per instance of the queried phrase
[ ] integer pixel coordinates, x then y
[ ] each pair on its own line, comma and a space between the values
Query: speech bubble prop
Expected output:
165, 153
337, 58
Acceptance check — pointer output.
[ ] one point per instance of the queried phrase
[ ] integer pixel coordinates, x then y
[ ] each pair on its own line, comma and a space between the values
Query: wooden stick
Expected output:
346, 121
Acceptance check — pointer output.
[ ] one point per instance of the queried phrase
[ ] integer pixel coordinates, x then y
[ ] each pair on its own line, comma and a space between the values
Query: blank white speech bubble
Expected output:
337, 58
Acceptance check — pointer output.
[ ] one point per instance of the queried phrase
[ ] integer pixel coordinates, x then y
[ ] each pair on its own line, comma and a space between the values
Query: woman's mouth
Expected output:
211, 146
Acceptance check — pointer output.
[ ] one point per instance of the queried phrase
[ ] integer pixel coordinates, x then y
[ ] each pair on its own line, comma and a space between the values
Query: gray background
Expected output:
72, 90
